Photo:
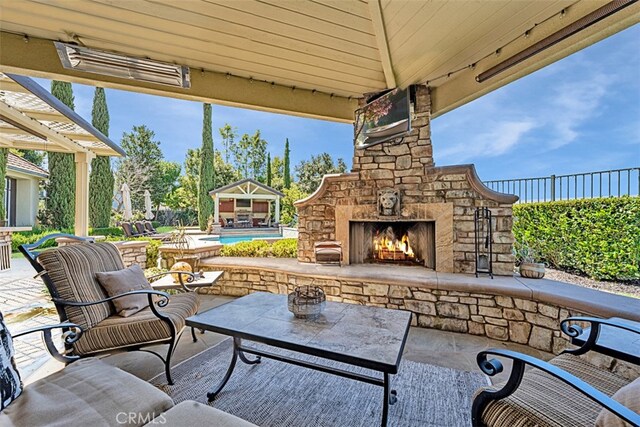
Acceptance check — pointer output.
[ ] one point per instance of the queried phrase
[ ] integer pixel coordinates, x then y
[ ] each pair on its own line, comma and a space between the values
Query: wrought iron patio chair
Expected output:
69, 274
567, 390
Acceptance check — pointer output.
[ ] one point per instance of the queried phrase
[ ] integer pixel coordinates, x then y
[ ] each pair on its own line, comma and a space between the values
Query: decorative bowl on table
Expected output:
307, 302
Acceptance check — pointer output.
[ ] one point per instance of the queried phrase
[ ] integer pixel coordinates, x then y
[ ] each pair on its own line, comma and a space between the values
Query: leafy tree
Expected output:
60, 203
287, 209
4, 152
33, 156
206, 180
140, 169
287, 165
310, 172
186, 195
228, 135
269, 169
225, 172
257, 157
277, 173
240, 152
101, 179
164, 182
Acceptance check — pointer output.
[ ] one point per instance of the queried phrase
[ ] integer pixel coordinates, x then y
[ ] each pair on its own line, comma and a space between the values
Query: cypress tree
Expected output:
4, 153
287, 170
101, 179
61, 200
206, 179
269, 169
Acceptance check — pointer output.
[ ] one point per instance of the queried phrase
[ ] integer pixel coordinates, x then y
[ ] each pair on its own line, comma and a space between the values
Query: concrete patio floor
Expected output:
447, 349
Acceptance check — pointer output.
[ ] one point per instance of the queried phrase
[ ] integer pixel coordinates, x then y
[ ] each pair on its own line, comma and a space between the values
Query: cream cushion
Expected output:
190, 413
87, 392
629, 396
123, 281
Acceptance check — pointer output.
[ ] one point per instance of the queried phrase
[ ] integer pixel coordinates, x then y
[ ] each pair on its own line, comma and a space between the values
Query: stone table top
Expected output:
370, 337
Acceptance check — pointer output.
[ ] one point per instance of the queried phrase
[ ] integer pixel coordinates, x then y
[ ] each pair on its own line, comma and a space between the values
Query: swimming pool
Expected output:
229, 240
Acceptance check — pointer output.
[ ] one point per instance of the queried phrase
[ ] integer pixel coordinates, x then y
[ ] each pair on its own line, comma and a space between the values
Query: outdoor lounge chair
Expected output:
143, 230
91, 392
566, 391
70, 274
129, 230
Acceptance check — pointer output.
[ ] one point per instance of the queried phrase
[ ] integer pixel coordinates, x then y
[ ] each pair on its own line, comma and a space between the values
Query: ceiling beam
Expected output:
46, 117
463, 88
39, 129
38, 58
383, 44
11, 86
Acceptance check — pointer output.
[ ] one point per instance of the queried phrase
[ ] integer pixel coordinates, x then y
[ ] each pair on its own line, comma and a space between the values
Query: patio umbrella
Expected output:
126, 201
148, 215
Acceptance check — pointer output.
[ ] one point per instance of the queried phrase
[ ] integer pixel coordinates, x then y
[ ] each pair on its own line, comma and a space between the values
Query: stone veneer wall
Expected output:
495, 316
132, 251
409, 167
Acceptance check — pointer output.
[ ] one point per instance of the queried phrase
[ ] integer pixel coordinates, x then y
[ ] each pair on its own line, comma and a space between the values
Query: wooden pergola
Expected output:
33, 119
246, 189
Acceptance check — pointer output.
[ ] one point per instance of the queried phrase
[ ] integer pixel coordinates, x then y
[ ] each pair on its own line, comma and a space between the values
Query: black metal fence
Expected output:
611, 183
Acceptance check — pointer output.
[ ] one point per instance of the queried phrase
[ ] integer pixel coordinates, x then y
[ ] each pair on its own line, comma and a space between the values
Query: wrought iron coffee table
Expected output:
366, 337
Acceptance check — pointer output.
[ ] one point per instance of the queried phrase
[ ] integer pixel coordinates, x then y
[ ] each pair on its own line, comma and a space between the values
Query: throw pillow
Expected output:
122, 281
629, 396
10, 382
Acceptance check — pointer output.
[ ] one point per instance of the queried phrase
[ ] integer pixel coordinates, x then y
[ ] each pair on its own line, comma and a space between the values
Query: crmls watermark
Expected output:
137, 418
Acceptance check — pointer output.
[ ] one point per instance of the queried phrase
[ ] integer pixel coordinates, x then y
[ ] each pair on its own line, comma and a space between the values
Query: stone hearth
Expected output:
393, 182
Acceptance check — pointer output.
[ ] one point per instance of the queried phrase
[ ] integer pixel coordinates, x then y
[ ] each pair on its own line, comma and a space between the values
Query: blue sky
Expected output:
577, 115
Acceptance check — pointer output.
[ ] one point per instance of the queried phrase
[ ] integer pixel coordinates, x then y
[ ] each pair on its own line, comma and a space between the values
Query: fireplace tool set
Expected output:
483, 241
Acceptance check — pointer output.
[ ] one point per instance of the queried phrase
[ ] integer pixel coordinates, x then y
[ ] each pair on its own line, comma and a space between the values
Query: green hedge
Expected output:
596, 237
284, 248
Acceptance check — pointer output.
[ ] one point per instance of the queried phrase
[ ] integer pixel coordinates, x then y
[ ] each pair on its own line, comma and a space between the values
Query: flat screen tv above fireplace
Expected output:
384, 118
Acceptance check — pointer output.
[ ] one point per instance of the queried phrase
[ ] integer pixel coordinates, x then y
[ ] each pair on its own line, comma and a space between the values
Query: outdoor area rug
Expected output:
276, 394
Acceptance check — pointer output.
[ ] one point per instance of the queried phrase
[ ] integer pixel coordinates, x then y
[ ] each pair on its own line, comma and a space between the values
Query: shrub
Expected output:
284, 248
252, 248
26, 237
106, 231
596, 237
152, 252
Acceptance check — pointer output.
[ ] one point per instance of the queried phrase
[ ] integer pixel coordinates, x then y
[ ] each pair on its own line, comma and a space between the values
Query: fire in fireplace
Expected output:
399, 242
387, 246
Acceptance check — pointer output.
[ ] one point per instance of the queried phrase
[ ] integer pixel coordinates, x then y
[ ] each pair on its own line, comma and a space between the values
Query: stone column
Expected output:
277, 217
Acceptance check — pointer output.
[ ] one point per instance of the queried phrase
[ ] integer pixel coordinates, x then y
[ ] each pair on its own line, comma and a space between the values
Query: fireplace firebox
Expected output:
397, 242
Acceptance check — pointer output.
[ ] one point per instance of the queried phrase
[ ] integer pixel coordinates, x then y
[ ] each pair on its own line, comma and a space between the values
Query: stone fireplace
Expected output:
395, 199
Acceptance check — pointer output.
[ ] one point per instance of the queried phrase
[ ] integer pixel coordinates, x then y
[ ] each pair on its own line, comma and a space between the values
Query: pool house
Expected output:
246, 204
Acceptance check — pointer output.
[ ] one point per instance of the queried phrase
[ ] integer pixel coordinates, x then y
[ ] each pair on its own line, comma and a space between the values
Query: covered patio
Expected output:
324, 59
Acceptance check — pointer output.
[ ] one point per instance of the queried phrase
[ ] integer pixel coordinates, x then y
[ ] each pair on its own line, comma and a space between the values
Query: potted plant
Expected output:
527, 256
182, 242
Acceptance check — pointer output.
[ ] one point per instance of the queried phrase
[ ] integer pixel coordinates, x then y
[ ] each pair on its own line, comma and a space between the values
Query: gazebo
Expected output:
246, 203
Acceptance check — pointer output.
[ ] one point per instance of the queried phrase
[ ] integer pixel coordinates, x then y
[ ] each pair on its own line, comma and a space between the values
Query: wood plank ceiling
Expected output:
330, 46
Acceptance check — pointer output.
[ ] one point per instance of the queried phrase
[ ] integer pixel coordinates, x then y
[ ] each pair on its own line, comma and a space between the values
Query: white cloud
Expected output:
572, 105
501, 138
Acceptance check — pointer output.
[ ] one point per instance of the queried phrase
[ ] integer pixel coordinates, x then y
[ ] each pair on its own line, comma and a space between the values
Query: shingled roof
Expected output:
18, 164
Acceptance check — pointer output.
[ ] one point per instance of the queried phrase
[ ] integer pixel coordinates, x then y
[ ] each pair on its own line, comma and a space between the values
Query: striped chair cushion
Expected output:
72, 270
545, 401
142, 327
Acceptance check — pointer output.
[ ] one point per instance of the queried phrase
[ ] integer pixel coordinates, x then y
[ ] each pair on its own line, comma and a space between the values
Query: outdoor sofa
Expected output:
90, 392
569, 390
